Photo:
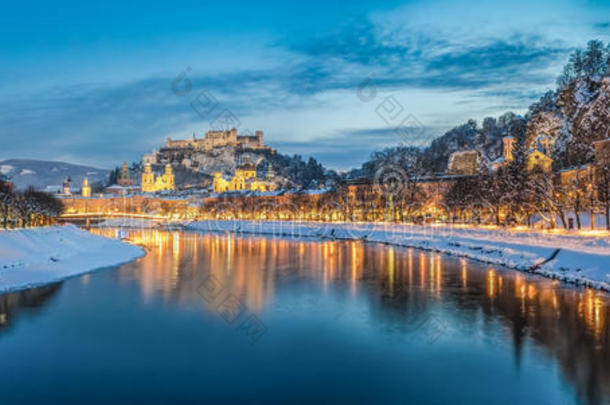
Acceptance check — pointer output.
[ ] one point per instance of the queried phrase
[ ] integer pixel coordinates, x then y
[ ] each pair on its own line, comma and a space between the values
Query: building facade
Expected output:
537, 156
152, 183
217, 139
85, 190
245, 178
125, 179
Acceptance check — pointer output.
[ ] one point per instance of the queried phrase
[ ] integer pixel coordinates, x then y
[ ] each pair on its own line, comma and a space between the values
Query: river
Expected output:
210, 318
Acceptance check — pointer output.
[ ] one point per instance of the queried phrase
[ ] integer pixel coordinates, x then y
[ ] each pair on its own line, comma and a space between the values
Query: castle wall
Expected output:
216, 139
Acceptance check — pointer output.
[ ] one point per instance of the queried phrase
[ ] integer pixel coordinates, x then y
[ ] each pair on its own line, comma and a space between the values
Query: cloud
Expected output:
89, 122
350, 147
358, 42
602, 25
522, 57
102, 123
418, 59
110, 122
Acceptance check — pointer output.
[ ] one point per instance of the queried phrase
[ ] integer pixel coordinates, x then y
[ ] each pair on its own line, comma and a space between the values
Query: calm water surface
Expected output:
224, 319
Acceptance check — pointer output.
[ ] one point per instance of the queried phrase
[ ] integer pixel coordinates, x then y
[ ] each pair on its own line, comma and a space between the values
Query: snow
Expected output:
582, 260
585, 220
6, 169
26, 172
38, 256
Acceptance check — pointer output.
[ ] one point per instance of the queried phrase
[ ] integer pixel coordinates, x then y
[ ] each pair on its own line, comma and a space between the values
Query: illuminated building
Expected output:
508, 146
216, 139
244, 179
466, 162
602, 152
125, 179
150, 183
538, 157
66, 187
86, 188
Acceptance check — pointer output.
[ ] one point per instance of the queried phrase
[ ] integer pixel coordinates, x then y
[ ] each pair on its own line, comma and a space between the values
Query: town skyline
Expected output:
404, 201
95, 92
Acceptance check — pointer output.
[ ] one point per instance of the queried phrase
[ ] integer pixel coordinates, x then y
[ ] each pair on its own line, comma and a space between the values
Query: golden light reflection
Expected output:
592, 309
491, 283
531, 291
249, 268
464, 272
410, 267
422, 270
391, 267
569, 322
357, 253
438, 275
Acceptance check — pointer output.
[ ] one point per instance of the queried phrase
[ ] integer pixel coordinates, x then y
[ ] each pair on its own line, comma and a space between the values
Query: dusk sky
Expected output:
92, 83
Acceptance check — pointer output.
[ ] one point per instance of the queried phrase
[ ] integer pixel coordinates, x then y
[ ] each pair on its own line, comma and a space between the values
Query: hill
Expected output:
572, 117
40, 173
289, 171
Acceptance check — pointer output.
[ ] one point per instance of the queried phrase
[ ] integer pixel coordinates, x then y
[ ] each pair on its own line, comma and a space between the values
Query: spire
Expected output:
270, 174
508, 147
86, 189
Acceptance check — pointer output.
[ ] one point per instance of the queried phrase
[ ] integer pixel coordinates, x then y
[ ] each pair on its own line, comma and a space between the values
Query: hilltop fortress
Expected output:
217, 139
215, 148
217, 153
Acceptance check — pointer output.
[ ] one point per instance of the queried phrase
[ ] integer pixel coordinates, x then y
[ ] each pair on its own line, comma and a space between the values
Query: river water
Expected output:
215, 318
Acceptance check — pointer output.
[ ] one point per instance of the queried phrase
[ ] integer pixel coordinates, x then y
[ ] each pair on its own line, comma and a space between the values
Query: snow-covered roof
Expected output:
463, 162
52, 188
317, 191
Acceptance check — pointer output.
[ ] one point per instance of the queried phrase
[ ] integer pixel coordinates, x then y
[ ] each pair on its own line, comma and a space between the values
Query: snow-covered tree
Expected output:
594, 63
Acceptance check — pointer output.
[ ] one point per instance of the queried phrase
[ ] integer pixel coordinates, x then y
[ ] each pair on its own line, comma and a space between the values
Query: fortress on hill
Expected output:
216, 139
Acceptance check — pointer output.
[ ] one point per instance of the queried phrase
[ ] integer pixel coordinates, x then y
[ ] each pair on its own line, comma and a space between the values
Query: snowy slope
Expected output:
38, 256
575, 259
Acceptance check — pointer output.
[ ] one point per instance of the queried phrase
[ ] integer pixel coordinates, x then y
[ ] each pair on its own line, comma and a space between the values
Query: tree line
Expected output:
514, 195
590, 62
27, 208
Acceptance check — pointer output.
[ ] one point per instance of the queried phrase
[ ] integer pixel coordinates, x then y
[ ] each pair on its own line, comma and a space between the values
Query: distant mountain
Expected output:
40, 173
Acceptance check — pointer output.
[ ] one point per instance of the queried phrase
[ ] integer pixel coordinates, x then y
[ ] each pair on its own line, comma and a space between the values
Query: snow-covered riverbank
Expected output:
576, 259
38, 256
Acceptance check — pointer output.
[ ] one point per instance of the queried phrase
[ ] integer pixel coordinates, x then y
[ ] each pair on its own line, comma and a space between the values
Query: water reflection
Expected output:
402, 287
13, 304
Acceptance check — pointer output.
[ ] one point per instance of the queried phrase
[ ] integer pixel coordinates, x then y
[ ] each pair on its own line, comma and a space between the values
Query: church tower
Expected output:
85, 190
169, 177
148, 178
125, 178
508, 145
270, 175
66, 186
544, 145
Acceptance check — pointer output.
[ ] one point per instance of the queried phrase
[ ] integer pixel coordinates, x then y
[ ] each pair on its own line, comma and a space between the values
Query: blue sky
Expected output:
92, 84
